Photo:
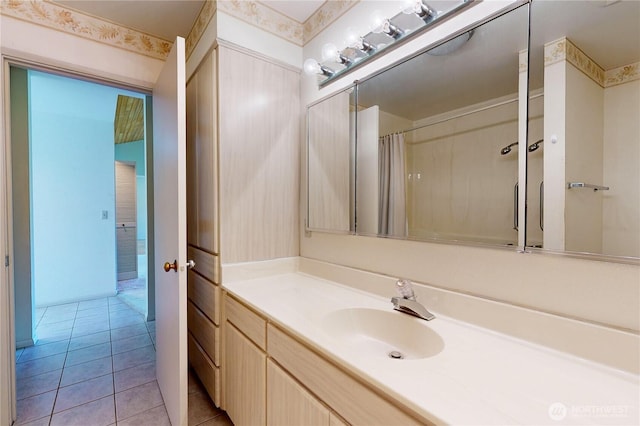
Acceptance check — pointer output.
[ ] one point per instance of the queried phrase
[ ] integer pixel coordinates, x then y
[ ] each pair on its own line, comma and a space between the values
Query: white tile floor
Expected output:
94, 365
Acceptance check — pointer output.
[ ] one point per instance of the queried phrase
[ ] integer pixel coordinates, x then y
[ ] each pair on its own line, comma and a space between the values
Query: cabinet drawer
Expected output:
204, 331
363, 406
205, 295
247, 321
207, 372
207, 264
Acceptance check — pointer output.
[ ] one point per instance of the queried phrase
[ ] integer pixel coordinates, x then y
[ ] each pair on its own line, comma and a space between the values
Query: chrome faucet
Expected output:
408, 303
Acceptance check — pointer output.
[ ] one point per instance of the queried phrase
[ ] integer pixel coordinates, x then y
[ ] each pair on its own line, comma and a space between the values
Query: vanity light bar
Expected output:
425, 12
344, 60
391, 30
366, 49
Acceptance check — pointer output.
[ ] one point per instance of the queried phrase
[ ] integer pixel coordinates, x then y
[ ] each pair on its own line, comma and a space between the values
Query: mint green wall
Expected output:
72, 183
132, 151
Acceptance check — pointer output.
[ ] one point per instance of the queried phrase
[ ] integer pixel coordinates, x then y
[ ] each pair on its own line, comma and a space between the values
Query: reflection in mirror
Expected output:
584, 178
437, 148
330, 167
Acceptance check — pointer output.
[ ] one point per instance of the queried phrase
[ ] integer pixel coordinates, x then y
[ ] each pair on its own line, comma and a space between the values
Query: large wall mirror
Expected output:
436, 155
584, 175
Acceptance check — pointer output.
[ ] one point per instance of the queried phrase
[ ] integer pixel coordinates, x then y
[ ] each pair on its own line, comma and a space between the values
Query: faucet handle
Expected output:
405, 288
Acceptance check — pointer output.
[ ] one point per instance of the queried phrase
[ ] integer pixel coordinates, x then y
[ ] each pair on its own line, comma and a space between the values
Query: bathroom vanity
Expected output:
299, 349
301, 385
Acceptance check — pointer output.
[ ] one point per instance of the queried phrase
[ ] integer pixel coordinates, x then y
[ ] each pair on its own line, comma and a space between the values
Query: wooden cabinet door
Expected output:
202, 158
288, 403
245, 381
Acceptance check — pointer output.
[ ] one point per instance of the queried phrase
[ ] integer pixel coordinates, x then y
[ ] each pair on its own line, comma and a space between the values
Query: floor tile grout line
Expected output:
148, 333
142, 412
84, 403
55, 400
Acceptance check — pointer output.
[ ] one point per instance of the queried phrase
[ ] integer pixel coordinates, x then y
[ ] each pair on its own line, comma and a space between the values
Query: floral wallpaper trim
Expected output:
564, 49
70, 21
263, 17
523, 57
555, 51
622, 75
204, 17
324, 16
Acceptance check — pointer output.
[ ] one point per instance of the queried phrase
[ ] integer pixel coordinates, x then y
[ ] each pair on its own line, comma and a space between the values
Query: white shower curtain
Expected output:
392, 216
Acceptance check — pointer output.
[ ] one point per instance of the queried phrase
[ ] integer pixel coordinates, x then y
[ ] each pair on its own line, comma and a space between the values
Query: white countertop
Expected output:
480, 377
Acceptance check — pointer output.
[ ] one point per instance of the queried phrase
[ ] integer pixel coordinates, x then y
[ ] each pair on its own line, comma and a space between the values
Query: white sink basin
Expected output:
383, 334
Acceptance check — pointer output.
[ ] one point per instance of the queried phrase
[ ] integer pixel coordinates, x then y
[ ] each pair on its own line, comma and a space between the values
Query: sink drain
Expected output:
396, 355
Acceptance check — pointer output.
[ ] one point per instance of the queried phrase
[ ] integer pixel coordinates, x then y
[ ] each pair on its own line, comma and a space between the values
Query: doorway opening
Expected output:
74, 335
68, 136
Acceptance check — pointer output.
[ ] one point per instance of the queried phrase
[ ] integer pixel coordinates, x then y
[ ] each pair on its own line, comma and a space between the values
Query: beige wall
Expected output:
621, 204
390, 123
584, 116
554, 155
466, 188
367, 170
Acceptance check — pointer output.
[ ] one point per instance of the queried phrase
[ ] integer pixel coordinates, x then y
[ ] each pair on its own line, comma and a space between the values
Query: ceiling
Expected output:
170, 18
299, 10
484, 68
128, 123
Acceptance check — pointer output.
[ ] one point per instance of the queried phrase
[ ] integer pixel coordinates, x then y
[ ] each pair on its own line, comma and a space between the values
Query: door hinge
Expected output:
6, 261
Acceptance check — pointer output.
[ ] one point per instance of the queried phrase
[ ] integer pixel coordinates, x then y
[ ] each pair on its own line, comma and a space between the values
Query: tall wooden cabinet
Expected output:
203, 281
243, 155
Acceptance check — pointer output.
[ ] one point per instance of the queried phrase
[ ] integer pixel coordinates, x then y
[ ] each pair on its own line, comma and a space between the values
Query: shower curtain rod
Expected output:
463, 114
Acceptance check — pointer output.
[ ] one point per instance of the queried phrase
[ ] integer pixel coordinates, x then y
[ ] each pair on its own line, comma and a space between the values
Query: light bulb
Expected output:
409, 6
376, 19
351, 37
311, 66
330, 52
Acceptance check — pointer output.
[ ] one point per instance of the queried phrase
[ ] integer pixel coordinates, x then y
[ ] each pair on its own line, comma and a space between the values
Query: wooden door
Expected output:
126, 226
170, 232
